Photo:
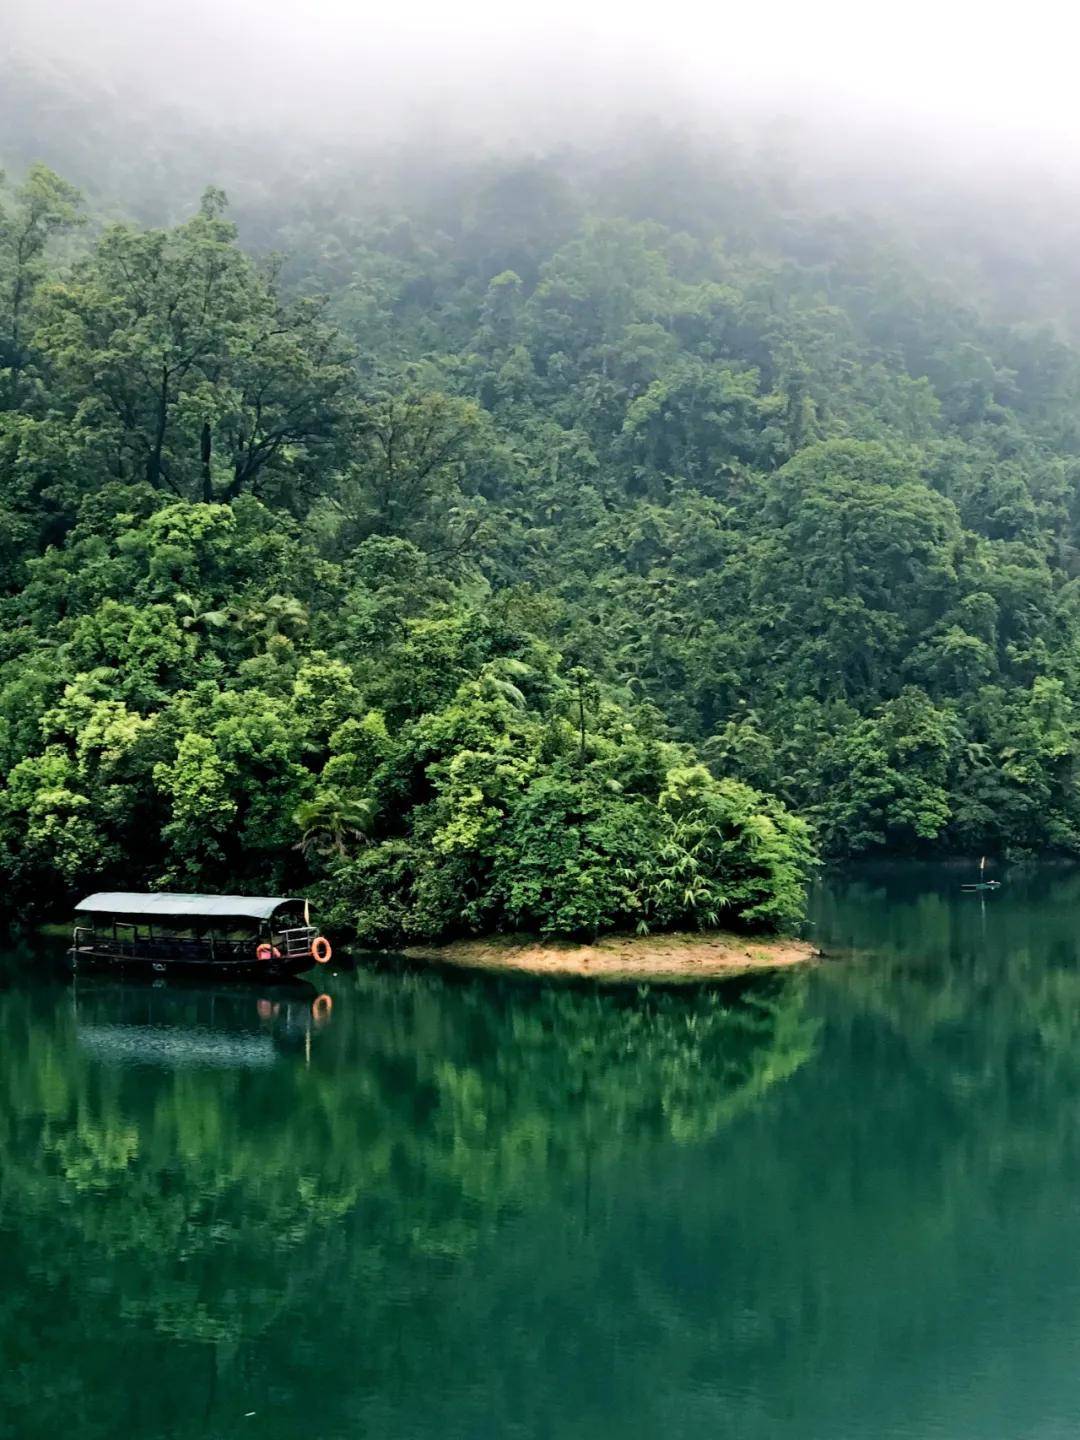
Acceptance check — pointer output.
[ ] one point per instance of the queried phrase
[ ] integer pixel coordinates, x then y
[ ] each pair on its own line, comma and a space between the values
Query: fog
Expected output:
953, 124
987, 80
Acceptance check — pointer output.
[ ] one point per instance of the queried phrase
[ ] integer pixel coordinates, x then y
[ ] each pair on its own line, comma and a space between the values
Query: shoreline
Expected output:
680, 957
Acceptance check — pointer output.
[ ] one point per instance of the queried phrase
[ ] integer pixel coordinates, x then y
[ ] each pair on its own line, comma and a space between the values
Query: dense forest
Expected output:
566, 543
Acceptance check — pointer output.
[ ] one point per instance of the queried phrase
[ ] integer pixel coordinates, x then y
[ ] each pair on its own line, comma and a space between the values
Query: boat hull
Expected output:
221, 967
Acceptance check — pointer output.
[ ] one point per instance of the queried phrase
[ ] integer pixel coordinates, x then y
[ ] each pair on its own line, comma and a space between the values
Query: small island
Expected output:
676, 958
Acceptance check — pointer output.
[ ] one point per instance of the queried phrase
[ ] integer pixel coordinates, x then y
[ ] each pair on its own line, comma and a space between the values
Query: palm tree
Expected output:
495, 680
329, 821
196, 618
282, 615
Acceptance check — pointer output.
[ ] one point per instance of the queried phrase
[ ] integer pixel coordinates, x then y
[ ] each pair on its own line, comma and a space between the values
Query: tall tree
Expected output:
174, 360
42, 207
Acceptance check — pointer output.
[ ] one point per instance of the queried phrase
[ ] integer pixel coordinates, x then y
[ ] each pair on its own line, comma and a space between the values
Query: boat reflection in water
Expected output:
197, 1027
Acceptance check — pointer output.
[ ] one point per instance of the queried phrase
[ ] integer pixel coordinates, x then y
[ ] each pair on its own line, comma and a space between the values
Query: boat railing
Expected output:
297, 941
126, 941
167, 947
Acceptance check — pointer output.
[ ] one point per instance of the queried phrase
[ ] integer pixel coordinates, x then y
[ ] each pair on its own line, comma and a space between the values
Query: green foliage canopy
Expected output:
523, 561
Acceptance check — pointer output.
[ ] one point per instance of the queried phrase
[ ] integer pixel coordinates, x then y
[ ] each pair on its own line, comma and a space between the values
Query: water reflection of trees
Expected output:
940, 1228
980, 995
490, 1209
179, 1211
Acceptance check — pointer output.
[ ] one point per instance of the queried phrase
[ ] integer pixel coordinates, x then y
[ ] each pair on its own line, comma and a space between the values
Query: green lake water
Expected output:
834, 1204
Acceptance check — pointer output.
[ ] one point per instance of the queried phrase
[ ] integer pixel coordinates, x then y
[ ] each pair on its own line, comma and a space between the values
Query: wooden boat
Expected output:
250, 936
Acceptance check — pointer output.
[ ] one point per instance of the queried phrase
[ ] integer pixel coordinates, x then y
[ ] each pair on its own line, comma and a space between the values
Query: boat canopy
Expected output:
161, 904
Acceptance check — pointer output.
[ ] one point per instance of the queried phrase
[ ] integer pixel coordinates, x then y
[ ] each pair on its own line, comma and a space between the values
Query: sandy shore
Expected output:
680, 957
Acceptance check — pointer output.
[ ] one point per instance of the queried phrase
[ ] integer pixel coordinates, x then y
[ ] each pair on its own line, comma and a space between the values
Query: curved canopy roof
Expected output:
163, 905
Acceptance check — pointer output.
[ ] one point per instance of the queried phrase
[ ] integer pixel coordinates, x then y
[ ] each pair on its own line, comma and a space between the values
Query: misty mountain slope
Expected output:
524, 545
798, 496
144, 143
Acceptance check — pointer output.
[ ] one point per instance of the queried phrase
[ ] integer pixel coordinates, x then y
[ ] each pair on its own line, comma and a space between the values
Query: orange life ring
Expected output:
321, 1008
267, 952
320, 949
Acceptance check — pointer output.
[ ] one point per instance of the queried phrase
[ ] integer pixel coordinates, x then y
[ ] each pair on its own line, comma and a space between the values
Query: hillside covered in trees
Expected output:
561, 544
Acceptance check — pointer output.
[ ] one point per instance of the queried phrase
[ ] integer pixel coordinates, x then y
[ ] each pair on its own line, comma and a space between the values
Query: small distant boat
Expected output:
250, 936
982, 884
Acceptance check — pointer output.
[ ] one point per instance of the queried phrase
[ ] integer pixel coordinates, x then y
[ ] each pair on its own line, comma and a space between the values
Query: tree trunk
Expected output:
205, 450
153, 459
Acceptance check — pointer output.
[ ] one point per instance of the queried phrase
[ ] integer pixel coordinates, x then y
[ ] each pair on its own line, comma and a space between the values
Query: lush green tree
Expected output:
41, 207
173, 358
